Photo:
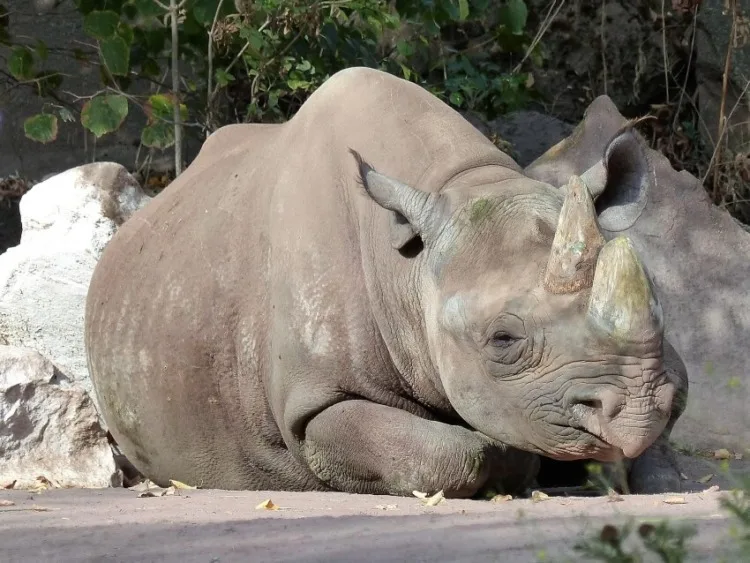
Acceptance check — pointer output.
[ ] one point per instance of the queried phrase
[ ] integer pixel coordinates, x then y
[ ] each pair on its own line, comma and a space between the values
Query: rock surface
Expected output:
48, 428
67, 220
699, 257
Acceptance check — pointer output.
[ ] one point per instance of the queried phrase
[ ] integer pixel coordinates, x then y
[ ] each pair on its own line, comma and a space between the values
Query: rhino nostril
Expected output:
603, 401
594, 404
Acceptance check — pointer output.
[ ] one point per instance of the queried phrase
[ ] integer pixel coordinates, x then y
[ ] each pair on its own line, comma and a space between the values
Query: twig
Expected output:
542, 30
246, 45
718, 141
209, 88
689, 62
664, 49
604, 44
724, 88
174, 9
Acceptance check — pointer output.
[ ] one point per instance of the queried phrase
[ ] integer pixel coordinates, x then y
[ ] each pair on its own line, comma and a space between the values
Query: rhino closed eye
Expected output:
506, 345
503, 340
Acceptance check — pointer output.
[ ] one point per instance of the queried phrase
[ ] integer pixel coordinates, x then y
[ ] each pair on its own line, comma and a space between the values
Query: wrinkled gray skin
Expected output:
284, 316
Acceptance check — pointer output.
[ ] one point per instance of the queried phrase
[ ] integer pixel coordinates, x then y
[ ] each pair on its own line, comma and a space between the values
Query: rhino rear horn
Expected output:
577, 242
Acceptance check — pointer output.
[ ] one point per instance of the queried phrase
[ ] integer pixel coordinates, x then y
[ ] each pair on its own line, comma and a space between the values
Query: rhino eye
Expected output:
502, 340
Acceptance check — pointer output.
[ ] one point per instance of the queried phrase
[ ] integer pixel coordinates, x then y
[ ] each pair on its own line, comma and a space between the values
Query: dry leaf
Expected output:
9, 485
267, 505
712, 489
144, 485
501, 498
738, 456
6, 502
723, 453
181, 485
169, 491
675, 500
613, 496
419, 494
706, 478
434, 500
386, 507
683, 477
538, 496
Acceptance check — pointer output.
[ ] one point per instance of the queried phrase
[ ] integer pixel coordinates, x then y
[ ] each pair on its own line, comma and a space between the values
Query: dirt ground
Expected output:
219, 526
212, 526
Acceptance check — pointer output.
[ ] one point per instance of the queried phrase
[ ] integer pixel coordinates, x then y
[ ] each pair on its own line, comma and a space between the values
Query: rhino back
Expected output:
249, 295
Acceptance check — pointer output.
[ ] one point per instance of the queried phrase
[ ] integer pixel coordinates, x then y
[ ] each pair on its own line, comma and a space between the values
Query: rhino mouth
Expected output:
601, 448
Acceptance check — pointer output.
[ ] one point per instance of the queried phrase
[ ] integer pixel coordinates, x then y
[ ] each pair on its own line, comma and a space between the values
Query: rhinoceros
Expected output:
373, 298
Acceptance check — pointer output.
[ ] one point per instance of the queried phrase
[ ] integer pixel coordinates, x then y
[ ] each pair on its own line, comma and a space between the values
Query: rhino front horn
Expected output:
622, 301
577, 243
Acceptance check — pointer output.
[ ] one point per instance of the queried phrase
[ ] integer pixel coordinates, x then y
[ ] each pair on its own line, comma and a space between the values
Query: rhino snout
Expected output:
628, 423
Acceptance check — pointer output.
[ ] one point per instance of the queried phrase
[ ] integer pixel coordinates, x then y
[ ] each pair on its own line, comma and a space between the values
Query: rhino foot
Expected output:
655, 471
362, 447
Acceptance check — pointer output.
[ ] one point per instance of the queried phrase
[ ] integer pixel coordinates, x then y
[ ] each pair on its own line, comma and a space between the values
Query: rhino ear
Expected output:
619, 182
412, 210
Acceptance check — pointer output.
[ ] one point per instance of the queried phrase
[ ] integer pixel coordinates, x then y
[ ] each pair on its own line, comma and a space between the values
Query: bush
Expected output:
258, 61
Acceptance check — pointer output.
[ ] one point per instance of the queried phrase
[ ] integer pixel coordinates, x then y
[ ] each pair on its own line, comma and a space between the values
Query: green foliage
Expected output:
667, 541
21, 63
737, 503
104, 113
41, 127
101, 24
266, 61
159, 133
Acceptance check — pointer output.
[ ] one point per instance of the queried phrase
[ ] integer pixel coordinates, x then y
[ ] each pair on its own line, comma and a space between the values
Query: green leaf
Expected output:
101, 24
255, 38
104, 113
463, 9
405, 48
41, 50
41, 127
162, 108
513, 15
223, 78
116, 55
149, 8
457, 99
21, 63
159, 135
126, 32
149, 67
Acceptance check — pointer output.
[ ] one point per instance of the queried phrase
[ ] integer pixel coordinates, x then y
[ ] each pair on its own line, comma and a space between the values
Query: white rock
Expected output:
49, 430
67, 221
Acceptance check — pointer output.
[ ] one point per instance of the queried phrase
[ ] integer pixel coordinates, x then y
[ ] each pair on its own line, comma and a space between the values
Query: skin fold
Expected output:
363, 299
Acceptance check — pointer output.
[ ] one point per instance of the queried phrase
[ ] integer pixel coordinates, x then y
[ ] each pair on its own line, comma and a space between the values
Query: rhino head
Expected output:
541, 334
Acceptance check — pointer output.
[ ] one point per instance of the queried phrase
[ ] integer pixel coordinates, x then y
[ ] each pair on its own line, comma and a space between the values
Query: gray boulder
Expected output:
67, 220
49, 428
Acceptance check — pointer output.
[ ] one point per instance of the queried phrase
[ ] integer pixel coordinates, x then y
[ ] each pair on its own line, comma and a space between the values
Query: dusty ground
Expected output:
220, 526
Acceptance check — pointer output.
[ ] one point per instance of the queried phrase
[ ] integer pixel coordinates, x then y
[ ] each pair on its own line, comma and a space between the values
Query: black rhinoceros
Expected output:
373, 298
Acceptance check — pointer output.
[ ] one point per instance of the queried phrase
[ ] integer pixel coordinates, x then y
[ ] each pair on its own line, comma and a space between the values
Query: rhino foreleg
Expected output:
363, 447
